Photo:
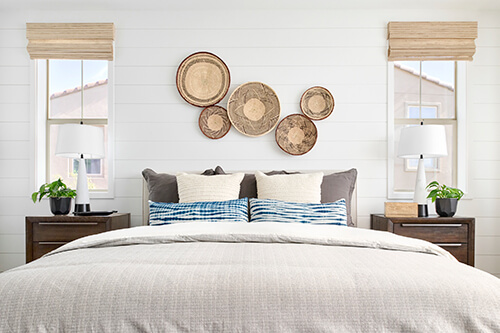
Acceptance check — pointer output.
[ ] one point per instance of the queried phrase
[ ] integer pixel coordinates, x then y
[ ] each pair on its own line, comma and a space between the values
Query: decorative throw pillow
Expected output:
290, 212
194, 188
249, 184
215, 211
340, 185
292, 188
163, 187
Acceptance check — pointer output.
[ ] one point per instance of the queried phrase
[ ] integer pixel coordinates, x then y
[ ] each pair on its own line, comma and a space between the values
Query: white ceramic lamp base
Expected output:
420, 195
82, 200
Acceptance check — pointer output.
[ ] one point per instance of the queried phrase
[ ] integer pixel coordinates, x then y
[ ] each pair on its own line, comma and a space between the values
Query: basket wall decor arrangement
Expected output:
253, 108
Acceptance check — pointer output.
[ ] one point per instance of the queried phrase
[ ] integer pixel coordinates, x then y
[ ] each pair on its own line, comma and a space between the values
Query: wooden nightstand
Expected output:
454, 234
47, 233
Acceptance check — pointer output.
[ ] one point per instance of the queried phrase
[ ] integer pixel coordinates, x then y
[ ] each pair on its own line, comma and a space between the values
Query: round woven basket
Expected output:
203, 79
214, 122
296, 134
317, 103
254, 109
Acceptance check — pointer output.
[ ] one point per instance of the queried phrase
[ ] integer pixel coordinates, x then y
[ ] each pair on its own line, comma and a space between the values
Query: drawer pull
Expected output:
455, 225
69, 223
449, 244
52, 243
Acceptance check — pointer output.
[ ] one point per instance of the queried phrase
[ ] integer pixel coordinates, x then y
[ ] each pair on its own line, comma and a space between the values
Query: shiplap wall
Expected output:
291, 51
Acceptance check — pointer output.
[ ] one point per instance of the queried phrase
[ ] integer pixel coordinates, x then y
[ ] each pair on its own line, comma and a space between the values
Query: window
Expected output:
62, 100
424, 91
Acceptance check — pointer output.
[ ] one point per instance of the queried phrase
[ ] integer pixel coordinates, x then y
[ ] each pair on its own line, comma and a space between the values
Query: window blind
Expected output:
431, 40
82, 41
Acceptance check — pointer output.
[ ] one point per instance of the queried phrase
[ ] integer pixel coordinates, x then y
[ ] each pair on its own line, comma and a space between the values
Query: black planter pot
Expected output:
60, 206
446, 207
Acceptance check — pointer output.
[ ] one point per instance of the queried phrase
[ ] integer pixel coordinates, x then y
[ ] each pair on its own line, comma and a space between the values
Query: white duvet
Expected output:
240, 277
270, 232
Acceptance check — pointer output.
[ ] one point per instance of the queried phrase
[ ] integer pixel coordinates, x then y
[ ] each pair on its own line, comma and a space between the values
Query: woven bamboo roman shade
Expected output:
83, 41
431, 40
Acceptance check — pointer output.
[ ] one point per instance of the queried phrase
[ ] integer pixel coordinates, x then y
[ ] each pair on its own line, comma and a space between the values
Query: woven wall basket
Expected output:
203, 79
317, 103
296, 134
214, 122
254, 109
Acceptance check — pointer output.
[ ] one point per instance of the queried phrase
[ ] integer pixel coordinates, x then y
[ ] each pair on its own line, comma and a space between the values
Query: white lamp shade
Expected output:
426, 140
75, 140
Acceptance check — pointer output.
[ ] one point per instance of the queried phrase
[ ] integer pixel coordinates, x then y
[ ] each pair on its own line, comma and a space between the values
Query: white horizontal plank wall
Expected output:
344, 51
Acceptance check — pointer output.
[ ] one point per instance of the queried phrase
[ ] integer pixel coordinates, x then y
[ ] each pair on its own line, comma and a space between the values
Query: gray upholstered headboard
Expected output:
354, 200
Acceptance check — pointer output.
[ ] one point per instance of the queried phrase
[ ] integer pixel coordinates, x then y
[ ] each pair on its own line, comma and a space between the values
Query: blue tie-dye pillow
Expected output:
210, 211
265, 210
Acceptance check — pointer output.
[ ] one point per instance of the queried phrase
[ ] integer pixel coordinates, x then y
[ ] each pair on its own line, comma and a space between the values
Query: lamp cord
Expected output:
420, 101
81, 102
420, 95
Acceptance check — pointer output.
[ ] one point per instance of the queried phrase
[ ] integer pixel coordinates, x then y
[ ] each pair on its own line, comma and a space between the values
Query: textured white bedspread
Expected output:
240, 277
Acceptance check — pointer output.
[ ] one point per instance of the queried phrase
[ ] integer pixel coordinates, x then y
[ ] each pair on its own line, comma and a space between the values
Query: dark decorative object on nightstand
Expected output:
60, 206
446, 207
455, 235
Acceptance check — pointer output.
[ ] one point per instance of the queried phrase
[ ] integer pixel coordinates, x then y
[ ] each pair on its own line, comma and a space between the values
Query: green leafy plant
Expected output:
56, 189
443, 191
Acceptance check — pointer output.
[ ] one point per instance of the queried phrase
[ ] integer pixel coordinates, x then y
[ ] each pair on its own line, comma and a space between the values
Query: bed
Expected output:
200, 276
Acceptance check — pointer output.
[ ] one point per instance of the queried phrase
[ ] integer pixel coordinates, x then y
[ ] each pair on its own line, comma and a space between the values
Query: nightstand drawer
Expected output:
435, 233
458, 250
65, 231
41, 248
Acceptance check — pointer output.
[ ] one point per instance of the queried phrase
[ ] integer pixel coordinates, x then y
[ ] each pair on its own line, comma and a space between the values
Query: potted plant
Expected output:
446, 198
59, 196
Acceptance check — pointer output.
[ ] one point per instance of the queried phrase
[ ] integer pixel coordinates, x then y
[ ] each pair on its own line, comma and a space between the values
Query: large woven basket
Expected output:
254, 109
203, 79
296, 134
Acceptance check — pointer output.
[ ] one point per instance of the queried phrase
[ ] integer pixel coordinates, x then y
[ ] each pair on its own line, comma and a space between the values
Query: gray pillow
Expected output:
163, 187
335, 186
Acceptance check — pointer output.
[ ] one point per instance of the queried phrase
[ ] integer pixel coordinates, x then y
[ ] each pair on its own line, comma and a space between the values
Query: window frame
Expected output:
459, 145
42, 122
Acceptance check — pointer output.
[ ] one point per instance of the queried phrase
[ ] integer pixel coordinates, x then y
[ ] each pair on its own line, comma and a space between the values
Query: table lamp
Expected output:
422, 141
80, 142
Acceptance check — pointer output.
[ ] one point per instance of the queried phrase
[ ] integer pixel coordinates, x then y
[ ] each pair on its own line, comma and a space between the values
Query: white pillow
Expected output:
305, 187
196, 188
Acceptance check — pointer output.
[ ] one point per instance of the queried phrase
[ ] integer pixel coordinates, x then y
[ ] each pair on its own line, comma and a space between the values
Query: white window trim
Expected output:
38, 70
461, 107
462, 143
